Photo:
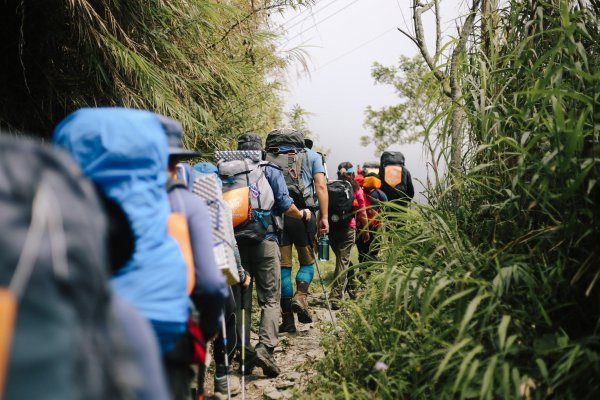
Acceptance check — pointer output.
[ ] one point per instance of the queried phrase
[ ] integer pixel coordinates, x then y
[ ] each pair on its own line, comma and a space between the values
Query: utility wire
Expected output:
312, 14
402, 13
300, 13
321, 21
356, 48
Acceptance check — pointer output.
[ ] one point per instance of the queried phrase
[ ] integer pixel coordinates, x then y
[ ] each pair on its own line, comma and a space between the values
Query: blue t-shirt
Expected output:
313, 164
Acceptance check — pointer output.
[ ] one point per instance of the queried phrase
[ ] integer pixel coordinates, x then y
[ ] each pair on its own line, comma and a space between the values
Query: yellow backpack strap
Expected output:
178, 229
8, 314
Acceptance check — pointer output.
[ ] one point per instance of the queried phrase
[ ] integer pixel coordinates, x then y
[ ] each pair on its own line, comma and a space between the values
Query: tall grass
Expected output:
211, 64
493, 293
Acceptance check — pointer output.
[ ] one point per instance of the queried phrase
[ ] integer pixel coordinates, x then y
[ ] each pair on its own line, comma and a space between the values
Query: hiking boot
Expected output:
265, 360
300, 304
287, 316
335, 299
351, 289
221, 385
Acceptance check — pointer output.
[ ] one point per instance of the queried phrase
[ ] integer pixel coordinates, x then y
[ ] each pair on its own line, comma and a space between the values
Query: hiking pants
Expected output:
341, 242
367, 251
261, 260
232, 338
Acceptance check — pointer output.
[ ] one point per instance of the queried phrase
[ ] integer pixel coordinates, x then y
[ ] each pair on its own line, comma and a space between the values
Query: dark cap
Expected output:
174, 132
346, 166
308, 142
250, 141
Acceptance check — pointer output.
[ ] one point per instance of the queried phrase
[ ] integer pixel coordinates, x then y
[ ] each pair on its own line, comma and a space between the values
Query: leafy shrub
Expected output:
492, 293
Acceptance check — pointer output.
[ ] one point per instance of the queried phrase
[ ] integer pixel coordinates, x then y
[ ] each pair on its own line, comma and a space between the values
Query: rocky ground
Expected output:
295, 356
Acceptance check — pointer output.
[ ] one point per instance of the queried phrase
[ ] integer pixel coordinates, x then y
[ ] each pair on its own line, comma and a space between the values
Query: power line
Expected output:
401, 13
321, 21
313, 14
300, 13
356, 48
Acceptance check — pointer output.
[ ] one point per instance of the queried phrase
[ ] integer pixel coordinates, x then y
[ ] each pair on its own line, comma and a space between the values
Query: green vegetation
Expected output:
491, 292
210, 64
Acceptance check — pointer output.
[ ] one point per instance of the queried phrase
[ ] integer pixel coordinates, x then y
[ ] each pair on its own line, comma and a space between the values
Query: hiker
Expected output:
210, 291
343, 230
305, 178
125, 153
396, 181
257, 241
374, 196
70, 334
223, 357
358, 176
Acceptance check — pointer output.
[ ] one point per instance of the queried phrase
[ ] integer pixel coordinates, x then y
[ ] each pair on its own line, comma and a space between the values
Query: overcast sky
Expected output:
343, 39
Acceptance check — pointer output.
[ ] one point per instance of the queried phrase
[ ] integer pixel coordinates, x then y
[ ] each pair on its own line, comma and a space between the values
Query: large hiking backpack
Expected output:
393, 175
370, 167
244, 178
373, 207
54, 266
341, 196
285, 148
208, 187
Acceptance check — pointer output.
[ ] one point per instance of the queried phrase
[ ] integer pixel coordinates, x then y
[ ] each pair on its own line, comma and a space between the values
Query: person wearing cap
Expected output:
342, 239
262, 261
294, 234
210, 291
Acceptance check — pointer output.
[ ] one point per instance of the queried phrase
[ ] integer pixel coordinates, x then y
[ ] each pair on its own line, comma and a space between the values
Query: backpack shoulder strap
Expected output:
174, 183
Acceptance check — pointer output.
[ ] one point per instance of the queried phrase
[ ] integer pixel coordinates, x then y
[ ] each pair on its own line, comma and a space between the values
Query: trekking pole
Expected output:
316, 257
243, 305
226, 354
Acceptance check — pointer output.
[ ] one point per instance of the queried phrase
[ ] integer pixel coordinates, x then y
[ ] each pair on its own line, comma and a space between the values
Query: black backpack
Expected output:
393, 175
341, 196
285, 148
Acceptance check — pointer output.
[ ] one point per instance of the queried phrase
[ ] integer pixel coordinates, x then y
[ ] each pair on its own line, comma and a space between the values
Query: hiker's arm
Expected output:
283, 201
321, 189
362, 215
210, 291
410, 190
294, 212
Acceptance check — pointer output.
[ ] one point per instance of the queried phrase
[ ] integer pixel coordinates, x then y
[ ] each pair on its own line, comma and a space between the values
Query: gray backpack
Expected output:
242, 173
66, 342
285, 148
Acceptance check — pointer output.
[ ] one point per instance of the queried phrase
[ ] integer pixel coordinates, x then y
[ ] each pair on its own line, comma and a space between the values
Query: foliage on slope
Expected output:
493, 292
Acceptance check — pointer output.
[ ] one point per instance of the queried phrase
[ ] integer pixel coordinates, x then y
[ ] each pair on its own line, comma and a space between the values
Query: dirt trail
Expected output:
295, 356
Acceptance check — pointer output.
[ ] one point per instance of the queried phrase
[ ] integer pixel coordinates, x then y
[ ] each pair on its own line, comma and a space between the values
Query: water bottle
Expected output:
324, 248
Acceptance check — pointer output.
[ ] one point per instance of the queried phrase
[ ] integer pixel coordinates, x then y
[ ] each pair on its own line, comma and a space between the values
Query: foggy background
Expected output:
343, 39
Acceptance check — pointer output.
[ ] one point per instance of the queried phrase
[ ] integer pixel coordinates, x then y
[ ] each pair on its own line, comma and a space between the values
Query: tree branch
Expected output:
418, 10
463, 35
438, 30
241, 21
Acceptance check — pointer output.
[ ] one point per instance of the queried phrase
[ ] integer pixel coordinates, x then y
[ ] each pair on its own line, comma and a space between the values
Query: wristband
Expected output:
304, 215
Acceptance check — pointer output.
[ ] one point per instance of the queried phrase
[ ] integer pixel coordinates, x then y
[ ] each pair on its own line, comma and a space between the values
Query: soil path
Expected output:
295, 356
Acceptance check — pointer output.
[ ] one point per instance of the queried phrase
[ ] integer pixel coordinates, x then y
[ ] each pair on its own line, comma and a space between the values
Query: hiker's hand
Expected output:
308, 214
246, 282
323, 226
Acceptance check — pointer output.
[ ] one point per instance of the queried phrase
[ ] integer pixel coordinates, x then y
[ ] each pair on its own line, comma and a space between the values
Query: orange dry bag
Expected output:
393, 175
238, 200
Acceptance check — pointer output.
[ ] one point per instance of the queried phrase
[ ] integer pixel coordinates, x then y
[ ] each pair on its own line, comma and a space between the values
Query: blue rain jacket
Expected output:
125, 152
